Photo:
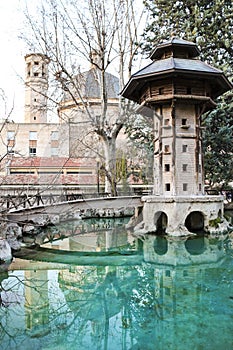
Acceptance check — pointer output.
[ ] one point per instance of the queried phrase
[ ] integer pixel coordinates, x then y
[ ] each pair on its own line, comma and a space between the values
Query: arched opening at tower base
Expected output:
181, 216
195, 222
160, 221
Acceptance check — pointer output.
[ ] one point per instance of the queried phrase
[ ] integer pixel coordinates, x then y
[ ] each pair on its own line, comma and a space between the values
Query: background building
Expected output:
64, 154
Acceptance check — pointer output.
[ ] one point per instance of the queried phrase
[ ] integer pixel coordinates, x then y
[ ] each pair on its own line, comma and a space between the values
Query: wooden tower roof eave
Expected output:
136, 83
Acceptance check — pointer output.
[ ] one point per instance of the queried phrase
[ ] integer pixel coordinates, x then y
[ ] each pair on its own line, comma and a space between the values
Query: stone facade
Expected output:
178, 159
37, 141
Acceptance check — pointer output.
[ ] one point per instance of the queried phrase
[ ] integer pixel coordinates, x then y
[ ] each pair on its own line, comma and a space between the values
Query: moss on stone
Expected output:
215, 222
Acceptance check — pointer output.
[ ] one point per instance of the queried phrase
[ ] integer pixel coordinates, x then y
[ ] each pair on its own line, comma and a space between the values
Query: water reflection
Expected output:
178, 296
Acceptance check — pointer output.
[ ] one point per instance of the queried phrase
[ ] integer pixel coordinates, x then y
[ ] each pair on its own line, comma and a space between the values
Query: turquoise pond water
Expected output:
93, 285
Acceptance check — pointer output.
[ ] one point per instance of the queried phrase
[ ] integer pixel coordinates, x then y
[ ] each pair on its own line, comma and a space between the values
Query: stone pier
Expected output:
181, 215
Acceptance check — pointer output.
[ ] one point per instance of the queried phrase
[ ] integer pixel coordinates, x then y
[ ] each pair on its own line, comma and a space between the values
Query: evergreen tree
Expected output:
218, 143
209, 23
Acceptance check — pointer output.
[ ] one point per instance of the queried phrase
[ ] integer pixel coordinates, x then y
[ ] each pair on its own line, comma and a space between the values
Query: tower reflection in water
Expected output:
36, 299
178, 296
165, 300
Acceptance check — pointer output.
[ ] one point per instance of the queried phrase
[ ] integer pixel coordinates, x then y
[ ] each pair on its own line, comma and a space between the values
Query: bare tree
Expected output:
8, 142
69, 32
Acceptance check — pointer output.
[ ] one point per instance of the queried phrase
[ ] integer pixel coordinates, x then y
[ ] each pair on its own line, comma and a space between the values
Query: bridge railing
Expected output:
8, 202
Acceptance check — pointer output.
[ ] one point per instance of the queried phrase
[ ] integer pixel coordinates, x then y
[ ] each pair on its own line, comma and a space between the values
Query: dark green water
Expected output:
108, 290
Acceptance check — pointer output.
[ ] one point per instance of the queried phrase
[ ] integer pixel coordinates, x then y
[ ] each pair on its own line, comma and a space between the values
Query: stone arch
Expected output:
194, 222
160, 221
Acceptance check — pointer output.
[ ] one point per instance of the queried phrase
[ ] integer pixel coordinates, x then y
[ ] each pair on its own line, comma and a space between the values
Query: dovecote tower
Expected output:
36, 87
176, 89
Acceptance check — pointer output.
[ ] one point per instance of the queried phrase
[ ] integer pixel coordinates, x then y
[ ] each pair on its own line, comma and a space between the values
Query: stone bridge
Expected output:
76, 209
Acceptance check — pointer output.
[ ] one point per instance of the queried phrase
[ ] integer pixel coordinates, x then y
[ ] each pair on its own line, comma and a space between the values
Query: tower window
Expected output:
184, 167
168, 187
167, 167
185, 187
32, 151
200, 187
184, 148
161, 91
36, 74
36, 63
167, 149
167, 122
184, 124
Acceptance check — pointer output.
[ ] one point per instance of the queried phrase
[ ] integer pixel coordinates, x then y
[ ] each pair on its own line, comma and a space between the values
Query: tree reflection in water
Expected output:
172, 295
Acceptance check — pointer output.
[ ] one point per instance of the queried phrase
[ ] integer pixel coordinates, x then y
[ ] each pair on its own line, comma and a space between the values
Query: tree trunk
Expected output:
110, 165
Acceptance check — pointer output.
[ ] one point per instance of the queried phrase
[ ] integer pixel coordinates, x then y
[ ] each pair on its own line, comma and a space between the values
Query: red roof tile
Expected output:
61, 162
29, 179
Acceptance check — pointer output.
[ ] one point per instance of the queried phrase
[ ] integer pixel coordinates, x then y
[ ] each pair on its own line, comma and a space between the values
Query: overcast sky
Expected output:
13, 50
12, 57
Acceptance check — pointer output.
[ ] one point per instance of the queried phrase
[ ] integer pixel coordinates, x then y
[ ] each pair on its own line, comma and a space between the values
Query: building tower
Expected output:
36, 87
176, 89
